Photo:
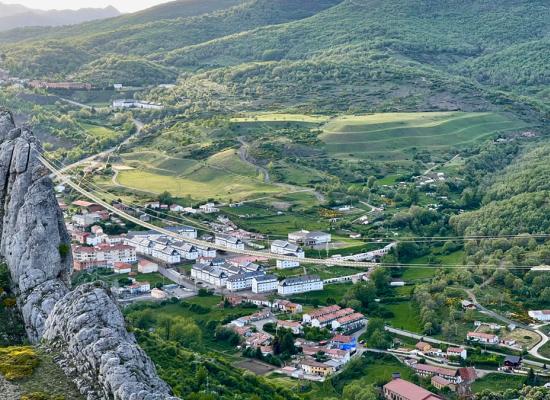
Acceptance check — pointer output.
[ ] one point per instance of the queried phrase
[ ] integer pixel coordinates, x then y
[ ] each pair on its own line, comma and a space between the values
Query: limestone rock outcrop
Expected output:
85, 326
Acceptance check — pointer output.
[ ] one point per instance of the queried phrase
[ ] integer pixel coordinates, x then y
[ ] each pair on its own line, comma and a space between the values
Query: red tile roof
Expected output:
432, 369
482, 335
467, 374
342, 339
322, 311
409, 391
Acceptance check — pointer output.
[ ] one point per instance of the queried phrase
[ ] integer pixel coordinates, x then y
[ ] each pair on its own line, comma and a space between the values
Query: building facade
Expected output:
301, 284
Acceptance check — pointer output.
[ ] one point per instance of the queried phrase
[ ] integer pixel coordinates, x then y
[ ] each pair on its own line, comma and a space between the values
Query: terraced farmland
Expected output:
222, 176
393, 136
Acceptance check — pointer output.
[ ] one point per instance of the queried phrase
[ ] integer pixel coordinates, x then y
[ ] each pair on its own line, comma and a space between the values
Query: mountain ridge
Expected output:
17, 16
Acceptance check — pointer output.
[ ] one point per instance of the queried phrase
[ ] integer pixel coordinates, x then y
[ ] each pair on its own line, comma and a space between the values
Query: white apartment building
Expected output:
165, 253
288, 249
84, 220
307, 238
206, 252
299, 284
209, 208
287, 264
540, 315
229, 241
264, 283
242, 281
187, 251
211, 274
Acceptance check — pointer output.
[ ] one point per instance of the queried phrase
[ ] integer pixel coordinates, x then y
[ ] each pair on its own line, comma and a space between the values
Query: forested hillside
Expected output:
365, 55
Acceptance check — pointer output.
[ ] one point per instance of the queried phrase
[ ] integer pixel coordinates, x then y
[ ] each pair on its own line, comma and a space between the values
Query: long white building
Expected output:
168, 250
231, 242
264, 284
242, 281
211, 274
288, 249
299, 284
308, 238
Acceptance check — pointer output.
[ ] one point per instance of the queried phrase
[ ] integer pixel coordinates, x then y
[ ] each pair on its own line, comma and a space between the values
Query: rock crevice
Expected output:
84, 325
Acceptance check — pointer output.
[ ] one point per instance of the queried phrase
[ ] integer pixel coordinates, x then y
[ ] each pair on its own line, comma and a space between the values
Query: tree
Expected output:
359, 391
371, 182
381, 279
166, 198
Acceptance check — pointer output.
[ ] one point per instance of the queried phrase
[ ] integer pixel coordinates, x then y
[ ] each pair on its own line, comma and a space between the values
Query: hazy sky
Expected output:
121, 5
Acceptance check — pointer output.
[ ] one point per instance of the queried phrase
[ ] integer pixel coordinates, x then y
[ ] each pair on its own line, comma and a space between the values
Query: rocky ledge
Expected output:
85, 325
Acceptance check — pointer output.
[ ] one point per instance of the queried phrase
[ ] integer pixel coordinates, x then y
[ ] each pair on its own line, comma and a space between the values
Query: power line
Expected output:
327, 262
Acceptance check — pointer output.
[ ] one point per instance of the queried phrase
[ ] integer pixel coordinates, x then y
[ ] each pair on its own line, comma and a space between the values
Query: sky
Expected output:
121, 5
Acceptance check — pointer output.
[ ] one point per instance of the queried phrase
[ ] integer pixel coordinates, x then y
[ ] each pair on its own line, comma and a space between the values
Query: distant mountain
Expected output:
319, 55
17, 16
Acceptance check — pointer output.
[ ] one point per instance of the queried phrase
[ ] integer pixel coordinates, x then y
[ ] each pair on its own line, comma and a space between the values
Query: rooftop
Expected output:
410, 391
298, 280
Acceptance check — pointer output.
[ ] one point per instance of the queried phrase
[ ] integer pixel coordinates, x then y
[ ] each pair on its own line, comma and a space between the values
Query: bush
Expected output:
64, 249
18, 362
41, 396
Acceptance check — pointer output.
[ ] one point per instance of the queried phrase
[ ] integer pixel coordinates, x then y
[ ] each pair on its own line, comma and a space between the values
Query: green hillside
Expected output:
365, 55
397, 135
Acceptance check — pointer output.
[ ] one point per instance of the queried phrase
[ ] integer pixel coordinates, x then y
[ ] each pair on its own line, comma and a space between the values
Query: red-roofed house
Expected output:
399, 389
147, 267
442, 383
293, 326
427, 370
122, 268
457, 352
319, 312
481, 337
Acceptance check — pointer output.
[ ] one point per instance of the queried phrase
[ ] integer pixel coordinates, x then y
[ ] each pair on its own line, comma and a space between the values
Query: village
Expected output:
178, 269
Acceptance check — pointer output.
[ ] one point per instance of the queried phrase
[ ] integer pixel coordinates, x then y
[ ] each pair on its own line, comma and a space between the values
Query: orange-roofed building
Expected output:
400, 389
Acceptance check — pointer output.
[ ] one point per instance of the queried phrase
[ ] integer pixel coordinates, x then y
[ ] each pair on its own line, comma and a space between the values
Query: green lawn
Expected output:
281, 117
392, 135
101, 132
222, 176
335, 292
421, 273
405, 316
496, 382
545, 350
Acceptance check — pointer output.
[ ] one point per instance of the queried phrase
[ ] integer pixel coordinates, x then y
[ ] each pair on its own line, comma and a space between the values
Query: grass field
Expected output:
421, 273
498, 382
101, 132
222, 176
390, 136
282, 117
405, 316
335, 292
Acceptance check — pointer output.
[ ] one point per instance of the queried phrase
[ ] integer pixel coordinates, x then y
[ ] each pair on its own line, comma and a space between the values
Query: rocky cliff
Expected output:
85, 326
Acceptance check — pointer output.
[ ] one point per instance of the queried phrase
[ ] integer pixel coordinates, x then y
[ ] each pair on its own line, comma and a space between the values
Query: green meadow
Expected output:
222, 176
392, 136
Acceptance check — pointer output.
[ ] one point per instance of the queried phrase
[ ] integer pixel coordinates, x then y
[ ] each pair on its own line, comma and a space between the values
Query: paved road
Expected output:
178, 278
534, 351
493, 314
244, 155
437, 341
106, 153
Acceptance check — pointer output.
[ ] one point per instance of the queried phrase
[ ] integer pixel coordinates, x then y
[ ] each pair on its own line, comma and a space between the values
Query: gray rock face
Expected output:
33, 230
89, 329
84, 325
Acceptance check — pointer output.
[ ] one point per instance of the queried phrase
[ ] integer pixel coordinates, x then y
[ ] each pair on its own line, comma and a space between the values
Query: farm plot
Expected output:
222, 176
392, 136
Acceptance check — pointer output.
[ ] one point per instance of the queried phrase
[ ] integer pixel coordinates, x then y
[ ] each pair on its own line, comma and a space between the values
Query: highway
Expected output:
318, 261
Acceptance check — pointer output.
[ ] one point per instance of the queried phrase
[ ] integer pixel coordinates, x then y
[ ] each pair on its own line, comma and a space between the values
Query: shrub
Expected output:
64, 249
18, 362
